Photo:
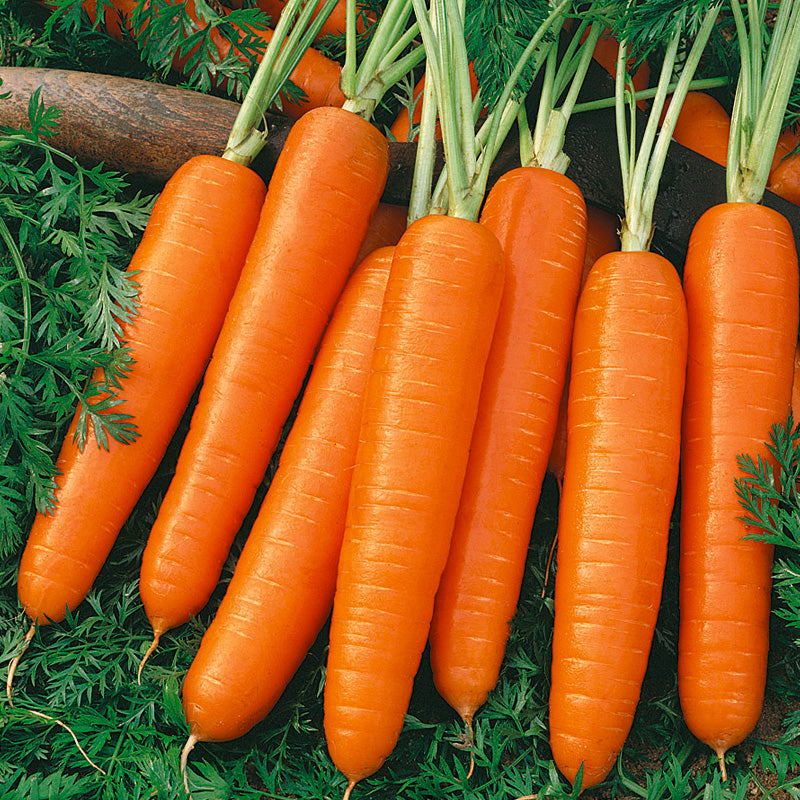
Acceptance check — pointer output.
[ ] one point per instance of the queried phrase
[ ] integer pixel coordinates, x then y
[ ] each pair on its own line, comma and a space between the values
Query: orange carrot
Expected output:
784, 177
186, 265
387, 226
324, 189
601, 238
421, 400
605, 53
741, 285
623, 442
539, 218
282, 588
626, 386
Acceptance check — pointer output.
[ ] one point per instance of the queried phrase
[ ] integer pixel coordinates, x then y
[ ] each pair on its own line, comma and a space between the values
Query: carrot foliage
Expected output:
66, 235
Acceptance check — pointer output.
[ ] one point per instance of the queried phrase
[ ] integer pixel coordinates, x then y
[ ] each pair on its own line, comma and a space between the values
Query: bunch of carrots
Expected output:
445, 356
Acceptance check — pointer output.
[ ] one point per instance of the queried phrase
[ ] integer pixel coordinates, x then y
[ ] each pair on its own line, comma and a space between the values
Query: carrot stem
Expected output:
291, 38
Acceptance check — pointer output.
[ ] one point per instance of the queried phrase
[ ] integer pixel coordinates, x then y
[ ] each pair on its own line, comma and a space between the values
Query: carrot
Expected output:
324, 189
784, 177
605, 53
741, 284
539, 217
741, 287
601, 238
387, 226
421, 403
322, 195
282, 588
186, 265
796, 386
626, 387
419, 409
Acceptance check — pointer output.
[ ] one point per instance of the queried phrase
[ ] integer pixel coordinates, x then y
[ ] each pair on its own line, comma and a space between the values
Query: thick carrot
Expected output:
282, 588
420, 405
315, 74
741, 286
539, 218
385, 229
187, 265
623, 444
601, 238
322, 194
796, 386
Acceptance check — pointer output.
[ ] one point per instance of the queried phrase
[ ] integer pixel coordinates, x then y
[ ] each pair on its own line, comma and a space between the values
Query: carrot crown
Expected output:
641, 169
468, 154
766, 77
297, 26
390, 55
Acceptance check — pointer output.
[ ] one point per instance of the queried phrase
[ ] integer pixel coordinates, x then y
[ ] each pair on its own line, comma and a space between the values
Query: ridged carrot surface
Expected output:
601, 238
322, 194
539, 218
420, 405
282, 588
741, 286
187, 265
623, 446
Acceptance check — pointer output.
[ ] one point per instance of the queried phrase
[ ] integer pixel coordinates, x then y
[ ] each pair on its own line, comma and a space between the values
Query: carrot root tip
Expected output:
150, 650
722, 768
470, 737
12, 667
187, 748
69, 730
348, 790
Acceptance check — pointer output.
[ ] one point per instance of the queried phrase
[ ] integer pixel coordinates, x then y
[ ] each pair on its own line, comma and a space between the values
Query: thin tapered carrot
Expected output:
187, 265
282, 588
623, 444
322, 194
626, 387
601, 238
741, 286
539, 217
420, 405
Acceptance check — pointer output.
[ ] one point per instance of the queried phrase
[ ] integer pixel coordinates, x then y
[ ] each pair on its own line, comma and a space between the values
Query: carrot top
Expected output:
295, 31
766, 79
641, 25
391, 54
468, 153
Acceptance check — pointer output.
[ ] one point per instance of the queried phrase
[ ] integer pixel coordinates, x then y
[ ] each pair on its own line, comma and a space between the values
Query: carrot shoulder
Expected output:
741, 286
323, 192
420, 405
187, 265
282, 588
